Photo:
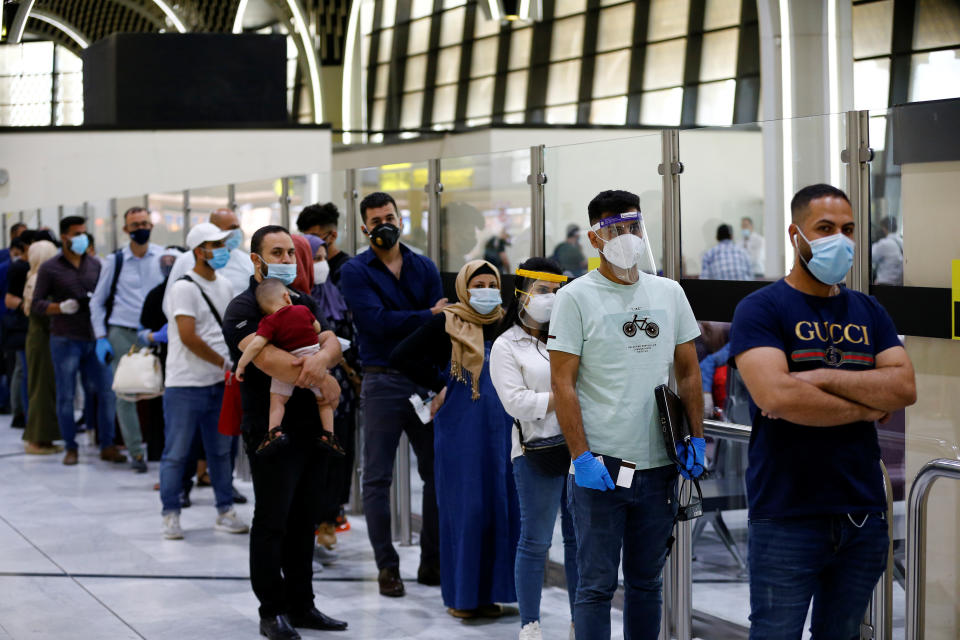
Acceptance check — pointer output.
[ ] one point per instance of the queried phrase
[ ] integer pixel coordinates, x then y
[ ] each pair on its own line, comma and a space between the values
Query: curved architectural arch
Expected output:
171, 14
65, 27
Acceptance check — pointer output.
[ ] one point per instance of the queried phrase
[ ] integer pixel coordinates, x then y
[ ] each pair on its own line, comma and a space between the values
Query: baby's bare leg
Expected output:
278, 405
326, 414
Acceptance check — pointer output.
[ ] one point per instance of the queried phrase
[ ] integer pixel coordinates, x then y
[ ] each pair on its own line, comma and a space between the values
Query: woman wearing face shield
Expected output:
476, 497
520, 371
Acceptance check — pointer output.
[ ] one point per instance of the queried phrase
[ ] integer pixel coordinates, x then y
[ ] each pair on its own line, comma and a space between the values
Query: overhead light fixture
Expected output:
513, 10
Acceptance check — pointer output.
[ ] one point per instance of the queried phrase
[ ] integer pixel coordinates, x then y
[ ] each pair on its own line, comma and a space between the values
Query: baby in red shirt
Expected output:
294, 329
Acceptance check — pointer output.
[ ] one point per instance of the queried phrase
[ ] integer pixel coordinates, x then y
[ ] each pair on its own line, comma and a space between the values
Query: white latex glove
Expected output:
707, 404
69, 307
227, 365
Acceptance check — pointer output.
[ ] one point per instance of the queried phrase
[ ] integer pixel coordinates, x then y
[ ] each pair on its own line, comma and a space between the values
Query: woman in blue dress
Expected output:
476, 495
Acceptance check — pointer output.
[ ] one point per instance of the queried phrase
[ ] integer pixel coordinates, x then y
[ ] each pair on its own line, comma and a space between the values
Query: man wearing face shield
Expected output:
392, 292
822, 364
615, 335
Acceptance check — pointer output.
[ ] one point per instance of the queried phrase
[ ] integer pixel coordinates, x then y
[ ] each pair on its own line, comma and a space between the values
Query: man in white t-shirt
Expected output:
615, 334
197, 360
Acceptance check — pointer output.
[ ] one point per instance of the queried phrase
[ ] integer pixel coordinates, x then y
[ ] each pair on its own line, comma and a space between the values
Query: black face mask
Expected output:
384, 236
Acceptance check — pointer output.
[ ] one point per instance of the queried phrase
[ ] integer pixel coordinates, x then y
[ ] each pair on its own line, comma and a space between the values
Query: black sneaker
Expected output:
19, 421
428, 575
139, 464
238, 498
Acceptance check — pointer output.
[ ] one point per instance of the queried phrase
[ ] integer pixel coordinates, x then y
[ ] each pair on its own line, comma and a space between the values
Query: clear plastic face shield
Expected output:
624, 246
535, 297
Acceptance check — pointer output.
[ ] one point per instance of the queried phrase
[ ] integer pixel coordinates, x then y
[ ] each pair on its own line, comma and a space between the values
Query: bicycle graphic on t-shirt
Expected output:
630, 329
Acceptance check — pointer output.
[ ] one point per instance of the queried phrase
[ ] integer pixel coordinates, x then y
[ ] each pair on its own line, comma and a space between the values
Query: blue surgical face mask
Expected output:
832, 257
219, 259
285, 273
79, 244
484, 301
234, 240
746, 233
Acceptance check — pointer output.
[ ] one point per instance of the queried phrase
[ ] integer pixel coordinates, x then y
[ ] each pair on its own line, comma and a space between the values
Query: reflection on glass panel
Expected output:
563, 82
715, 103
609, 111
611, 74
166, 213
445, 104
418, 39
719, 57
485, 204
389, 13
420, 8
385, 52
448, 65
382, 81
415, 76
412, 110
567, 41
878, 132
568, 7
577, 173
379, 109
205, 201
661, 107
484, 61
663, 65
872, 29
668, 19
484, 27
480, 98
871, 83
98, 224
565, 114
721, 13
520, 41
451, 27
937, 24
616, 28
258, 204
516, 90
935, 75
405, 182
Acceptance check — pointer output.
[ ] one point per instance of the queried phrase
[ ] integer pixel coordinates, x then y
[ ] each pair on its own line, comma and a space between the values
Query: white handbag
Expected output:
138, 376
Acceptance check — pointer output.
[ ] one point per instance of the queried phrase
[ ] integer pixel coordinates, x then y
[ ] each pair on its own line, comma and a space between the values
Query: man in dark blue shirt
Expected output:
822, 364
392, 292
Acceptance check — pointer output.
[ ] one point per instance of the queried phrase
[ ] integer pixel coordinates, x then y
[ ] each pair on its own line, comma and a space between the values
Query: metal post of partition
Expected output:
917, 539
186, 215
538, 212
877, 623
670, 168
3, 231
433, 188
857, 156
666, 617
59, 212
351, 196
232, 197
356, 484
285, 202
113, 224
403, 491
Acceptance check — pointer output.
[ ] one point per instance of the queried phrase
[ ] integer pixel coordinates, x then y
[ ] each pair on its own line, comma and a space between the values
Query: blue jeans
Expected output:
640, 520
826, 558
187, 410
69, 357
540, 498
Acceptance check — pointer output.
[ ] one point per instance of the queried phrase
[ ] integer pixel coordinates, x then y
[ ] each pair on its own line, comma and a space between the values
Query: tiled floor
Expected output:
81, 556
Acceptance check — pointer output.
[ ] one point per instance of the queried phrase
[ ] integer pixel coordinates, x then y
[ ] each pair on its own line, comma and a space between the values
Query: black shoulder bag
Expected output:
213, 309
549, 456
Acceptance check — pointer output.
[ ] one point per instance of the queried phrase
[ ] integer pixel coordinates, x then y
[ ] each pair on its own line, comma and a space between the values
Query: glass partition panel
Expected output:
166, 213
577, 173
98, 224
485, 210
205, 201
886, 218
258, 204
733, 180
404, 181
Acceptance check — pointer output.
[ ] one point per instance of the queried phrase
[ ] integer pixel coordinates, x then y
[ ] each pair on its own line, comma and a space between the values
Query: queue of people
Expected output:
539, 402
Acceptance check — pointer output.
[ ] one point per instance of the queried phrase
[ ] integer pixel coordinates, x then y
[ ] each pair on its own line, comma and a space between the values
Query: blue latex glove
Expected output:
591, 474
693, 457
143, 337
160, 337
104, 351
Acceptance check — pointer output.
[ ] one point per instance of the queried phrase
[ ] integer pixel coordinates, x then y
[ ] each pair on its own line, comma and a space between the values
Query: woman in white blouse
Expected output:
520, 371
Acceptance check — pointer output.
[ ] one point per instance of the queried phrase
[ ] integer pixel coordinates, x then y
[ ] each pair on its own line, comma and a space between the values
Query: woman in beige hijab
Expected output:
476, 496
42, 426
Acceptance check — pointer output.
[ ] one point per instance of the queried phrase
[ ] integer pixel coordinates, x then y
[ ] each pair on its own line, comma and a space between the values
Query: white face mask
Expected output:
623, 251
540, 307
321, 271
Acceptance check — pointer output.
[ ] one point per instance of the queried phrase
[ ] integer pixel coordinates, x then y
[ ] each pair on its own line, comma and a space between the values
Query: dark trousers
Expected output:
833, 560
287, 489
339, 469
387, 412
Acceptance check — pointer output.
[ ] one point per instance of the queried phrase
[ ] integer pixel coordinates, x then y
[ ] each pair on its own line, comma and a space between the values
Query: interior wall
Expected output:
930, 192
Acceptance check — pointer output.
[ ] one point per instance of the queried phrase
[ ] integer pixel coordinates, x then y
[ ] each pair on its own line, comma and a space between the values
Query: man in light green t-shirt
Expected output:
614, 335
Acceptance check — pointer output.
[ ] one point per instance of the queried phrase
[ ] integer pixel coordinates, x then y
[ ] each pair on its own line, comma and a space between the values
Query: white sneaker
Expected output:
230, 522
323, 555
171, 527
573, 634
531, 631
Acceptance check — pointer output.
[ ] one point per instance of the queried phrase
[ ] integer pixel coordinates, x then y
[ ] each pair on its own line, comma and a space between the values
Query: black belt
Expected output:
372, 369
